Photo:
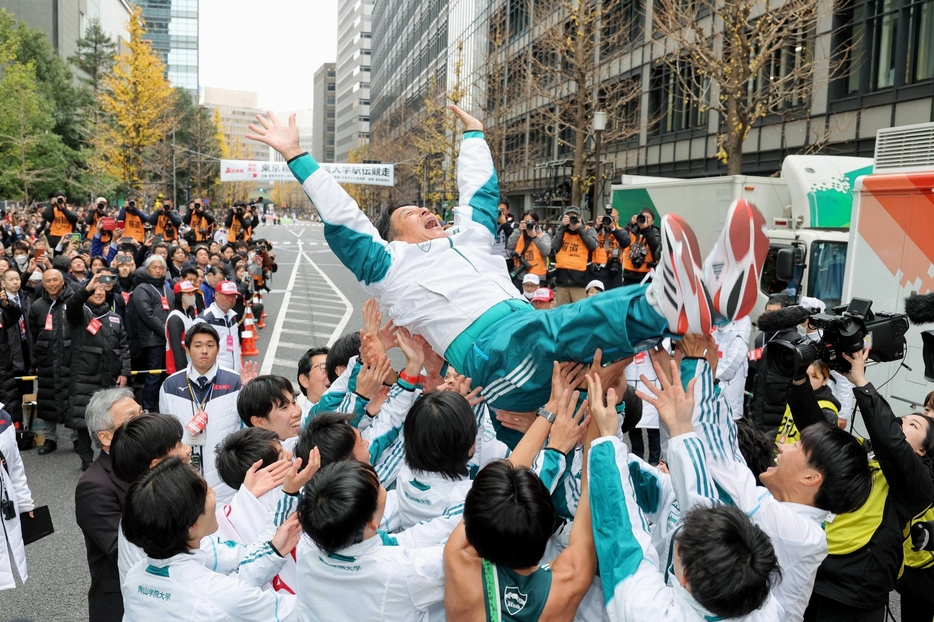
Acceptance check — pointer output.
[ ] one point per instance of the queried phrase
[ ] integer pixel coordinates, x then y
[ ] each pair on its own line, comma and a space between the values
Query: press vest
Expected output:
573, 254
649, 257
788, 433
529, 251
234, 230
133, 226
607, 247
164, 227
60, 224
197, 224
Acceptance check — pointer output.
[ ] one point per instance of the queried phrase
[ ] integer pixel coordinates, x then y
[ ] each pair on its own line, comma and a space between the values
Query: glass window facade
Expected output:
173, 29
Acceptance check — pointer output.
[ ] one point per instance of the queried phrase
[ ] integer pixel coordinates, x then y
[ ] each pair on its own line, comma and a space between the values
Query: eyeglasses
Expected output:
320, 367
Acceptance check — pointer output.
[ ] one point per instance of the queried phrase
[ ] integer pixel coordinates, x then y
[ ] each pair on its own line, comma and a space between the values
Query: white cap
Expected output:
812, 303
531, 278
100, 200
595, 283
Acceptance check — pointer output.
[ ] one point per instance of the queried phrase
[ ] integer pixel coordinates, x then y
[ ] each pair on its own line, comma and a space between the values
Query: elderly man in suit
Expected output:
99, 500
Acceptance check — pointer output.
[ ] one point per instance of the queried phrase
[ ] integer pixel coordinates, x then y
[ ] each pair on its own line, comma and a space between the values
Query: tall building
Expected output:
237, 110
352, 112
886, 79
322, 145
172, 27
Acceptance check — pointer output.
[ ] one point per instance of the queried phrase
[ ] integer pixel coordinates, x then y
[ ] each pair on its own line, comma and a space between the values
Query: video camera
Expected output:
847, 330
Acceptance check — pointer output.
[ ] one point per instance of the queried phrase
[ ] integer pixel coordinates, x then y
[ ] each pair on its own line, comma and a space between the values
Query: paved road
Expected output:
314, 300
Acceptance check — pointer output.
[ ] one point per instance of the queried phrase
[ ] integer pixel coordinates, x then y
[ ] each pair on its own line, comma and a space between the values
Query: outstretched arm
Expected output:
476, 177
349, 233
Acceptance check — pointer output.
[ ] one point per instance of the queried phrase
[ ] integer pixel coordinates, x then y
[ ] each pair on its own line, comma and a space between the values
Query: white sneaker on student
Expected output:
677, 290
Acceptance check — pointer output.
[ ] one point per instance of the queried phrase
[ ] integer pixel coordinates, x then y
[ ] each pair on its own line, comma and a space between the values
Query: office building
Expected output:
172, 27
237, 110
352, 101
322, 146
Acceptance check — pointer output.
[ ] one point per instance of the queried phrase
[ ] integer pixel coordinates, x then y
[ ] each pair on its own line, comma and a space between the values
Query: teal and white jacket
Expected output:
435, 289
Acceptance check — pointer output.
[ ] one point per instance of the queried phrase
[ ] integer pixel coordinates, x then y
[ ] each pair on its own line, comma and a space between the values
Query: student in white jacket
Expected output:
168, 511
14, 490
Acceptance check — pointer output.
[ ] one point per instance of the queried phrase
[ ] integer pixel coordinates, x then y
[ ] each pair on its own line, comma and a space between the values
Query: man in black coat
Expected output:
100, 356
98, 502
16, 341
150, 308
769, 390
52, 343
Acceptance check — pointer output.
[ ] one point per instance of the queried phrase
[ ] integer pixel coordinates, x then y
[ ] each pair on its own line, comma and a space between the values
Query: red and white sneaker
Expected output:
677, 289
734, 266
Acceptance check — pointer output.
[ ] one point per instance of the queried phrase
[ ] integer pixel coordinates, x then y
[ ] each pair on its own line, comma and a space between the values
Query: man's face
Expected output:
77, 266
52, 282
228, 253
215, 260
416, 224
122, 411
124, 269
99, 295
203, 351
202, 257
162, 252
529, 288
156, 270
649, 221
179, 255
316, 382
283, 420
542, 305
791, 467
11, 282
225, 302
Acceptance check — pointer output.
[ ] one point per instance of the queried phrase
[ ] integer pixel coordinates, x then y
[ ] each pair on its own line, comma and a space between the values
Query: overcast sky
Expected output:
271, 47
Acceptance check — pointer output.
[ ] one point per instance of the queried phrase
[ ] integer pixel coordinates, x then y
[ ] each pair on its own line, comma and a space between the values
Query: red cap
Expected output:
227, 287
543, 295
183, 286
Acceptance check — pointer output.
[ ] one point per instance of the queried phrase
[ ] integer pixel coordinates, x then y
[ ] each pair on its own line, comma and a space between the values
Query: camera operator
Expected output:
99, 212
572, 245
770, 391
62, 221
528, 247
505, 224
134, 221
865, 547
201, 221
607, 264
166, 220
645, 239
238, 223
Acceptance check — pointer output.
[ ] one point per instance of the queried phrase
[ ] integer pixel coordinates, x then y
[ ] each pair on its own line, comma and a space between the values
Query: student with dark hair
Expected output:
508, 521
441, 437
247, 448
168, 511
144, 441
720, 564
335, 438
826, 471
312, 376
269, 402
203, 397
350, 570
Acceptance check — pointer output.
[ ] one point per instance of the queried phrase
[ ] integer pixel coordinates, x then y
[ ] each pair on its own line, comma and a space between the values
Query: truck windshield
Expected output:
770, 284
828, 260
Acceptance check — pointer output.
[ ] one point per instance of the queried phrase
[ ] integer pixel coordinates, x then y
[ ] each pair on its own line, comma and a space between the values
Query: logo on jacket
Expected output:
514, 600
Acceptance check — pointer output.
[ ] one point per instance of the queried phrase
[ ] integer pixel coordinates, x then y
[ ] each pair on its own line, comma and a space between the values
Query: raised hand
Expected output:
857, 373
675, 406
414, 355
371, 377
296, 477
281, 137
610, 374
470, 122
248, 372
568, 427
260, 481
602, 410
287, 536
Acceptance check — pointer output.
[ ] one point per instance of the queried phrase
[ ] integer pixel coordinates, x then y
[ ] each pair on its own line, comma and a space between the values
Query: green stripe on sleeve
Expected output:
303, 167
473, 134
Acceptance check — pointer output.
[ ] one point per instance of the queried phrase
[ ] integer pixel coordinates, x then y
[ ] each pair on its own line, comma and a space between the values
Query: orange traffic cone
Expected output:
262, 318
248, 337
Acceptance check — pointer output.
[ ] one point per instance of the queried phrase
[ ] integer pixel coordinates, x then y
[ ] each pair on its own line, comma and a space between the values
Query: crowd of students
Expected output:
489, 477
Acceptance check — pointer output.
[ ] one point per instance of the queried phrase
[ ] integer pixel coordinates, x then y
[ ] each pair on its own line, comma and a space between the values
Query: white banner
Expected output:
251, 170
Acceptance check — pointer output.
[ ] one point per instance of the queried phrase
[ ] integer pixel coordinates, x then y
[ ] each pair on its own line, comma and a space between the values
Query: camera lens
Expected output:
606, 221
640, 219
529, 224
574, 220
789, 359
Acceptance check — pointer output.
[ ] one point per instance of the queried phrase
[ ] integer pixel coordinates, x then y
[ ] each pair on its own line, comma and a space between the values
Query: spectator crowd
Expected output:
612, 448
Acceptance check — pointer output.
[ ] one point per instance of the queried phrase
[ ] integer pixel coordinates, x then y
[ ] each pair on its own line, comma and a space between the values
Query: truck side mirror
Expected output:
785, 264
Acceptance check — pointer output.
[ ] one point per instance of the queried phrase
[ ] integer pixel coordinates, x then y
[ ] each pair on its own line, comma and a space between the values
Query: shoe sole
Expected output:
683, 253
744, 236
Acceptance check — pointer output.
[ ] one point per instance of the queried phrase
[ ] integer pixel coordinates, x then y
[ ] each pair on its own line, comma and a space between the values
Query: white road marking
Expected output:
349, 307
298, 235
270, 355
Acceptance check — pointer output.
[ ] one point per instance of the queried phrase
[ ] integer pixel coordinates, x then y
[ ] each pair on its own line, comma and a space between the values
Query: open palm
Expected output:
281, 137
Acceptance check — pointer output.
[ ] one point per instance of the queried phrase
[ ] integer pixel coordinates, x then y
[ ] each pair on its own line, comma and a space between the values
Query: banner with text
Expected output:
250, 170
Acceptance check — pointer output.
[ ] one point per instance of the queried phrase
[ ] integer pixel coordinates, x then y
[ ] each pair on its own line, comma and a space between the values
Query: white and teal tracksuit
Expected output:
796, 530
183, 587
457, 294
397, 578
634, 587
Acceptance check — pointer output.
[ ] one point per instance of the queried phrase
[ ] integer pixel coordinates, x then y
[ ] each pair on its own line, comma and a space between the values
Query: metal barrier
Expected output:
144, 372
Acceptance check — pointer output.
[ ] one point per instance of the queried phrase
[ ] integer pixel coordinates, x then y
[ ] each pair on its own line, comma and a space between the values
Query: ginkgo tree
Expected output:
135, 96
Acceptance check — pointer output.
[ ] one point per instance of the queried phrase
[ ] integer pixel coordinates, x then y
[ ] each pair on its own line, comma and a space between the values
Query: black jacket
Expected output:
148, 314
770, 392
864, 577
98, 503
52, 353
97, 358
15, 353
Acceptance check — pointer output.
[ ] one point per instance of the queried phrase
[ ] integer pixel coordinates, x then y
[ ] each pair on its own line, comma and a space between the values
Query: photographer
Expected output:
572, 245
166, 220
134, 221
93, 220
505, 225
645, 239
238, 223
865, 547
100, 355
201, 221
612, 240
770, 391
62, 220
529, 247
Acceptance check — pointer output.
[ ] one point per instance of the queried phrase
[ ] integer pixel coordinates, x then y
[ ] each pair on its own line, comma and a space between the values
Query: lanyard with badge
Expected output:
198, 422
165, 300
